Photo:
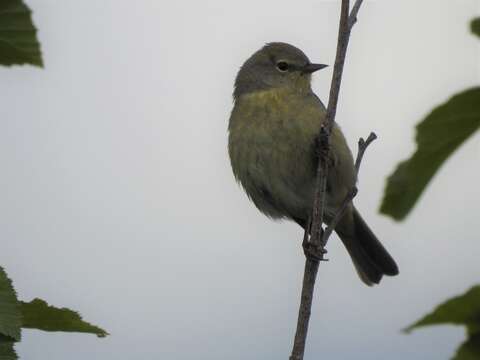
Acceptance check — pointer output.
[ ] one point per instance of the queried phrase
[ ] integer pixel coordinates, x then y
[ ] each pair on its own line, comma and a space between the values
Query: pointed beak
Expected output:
311, 68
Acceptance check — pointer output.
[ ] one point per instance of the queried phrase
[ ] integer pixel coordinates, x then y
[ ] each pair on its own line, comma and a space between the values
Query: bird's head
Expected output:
276, 65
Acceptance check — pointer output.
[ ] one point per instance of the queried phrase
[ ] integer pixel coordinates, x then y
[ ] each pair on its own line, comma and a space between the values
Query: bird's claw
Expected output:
314, 252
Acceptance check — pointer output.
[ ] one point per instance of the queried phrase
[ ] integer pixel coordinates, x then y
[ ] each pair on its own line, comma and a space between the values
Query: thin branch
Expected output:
319, 202
342, 44
347, 20
352, 19
362, 146
309, 277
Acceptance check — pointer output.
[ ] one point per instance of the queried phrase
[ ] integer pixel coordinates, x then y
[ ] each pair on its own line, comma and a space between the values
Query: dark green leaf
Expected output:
470, 349
37, 314
460, 310
438, 136
475, 26
10, 318
18, 36
7, 351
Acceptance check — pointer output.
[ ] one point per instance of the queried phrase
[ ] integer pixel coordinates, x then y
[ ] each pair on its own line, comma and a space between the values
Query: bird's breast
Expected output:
271, 146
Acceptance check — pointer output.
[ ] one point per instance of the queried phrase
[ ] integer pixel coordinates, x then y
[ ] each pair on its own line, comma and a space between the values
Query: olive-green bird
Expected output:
273, 129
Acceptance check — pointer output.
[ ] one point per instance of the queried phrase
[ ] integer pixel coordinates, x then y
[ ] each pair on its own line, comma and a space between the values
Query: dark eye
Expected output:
282, 66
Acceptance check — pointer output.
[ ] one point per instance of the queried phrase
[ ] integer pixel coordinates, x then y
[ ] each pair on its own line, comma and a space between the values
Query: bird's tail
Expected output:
369, 256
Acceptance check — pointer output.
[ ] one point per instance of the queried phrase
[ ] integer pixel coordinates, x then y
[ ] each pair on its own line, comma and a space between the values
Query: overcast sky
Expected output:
117, 197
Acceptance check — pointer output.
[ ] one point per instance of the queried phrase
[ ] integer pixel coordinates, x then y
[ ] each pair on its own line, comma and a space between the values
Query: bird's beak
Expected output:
311, 68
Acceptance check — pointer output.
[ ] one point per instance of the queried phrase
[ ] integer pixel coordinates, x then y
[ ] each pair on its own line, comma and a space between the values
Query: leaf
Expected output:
475, 26
37, 314
469, 350
7, 351
10, 317
438, 136
460, 310
18, 35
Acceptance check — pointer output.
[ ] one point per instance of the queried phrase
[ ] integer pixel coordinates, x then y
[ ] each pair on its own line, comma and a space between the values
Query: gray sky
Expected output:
118, 200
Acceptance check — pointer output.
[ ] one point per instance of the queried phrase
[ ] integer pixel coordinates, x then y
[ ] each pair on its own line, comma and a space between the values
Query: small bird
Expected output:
273, 132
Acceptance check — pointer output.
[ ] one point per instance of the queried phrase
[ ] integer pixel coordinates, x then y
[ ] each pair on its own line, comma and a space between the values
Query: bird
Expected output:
272, 144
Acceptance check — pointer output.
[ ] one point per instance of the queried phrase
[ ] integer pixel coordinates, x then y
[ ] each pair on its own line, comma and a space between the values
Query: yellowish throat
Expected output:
273, 129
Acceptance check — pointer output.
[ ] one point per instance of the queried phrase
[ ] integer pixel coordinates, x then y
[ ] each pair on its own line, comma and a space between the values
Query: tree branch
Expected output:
319, 237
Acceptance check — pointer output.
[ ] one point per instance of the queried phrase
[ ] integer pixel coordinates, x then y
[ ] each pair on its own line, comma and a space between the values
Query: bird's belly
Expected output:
271, 146
276, 168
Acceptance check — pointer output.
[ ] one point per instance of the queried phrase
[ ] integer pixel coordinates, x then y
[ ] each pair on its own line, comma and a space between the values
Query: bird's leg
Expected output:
312, 251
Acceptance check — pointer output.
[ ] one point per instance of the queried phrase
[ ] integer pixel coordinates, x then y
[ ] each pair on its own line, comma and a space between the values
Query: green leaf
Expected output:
7, 351
469, 350
460, 310
438, 136
475, 26
18, 35
37, 314
10, 317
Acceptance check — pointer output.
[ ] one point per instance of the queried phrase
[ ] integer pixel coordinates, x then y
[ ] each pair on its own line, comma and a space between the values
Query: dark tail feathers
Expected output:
369, 256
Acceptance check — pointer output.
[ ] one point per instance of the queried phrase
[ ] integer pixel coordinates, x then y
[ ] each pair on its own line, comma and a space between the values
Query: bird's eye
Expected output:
282, 66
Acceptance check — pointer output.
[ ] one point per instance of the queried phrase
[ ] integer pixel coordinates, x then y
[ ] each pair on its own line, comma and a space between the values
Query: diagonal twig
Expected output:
352, 19
362, 146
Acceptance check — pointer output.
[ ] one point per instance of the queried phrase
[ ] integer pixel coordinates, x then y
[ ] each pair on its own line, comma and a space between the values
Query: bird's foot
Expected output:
313, 251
